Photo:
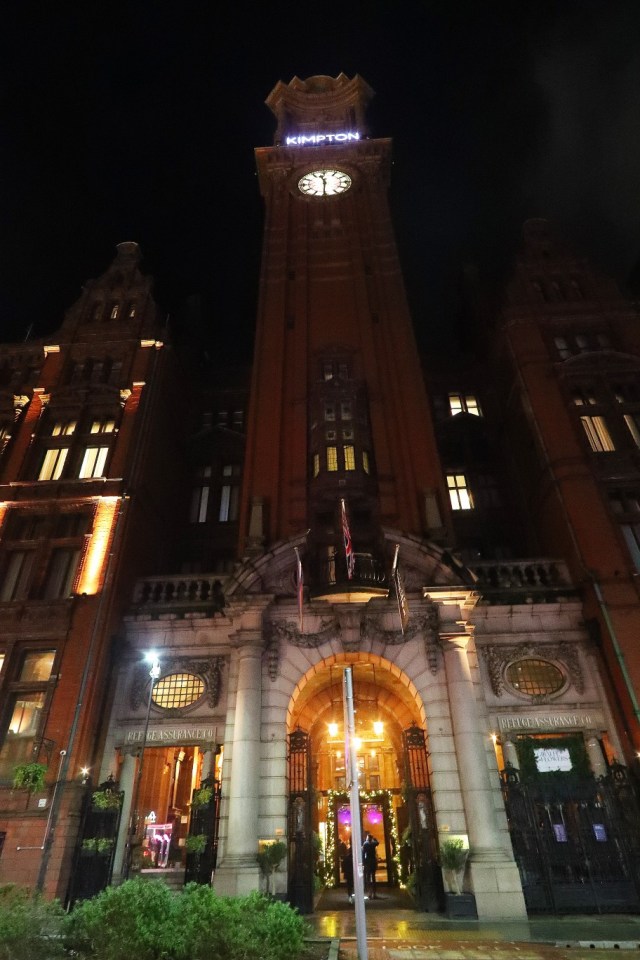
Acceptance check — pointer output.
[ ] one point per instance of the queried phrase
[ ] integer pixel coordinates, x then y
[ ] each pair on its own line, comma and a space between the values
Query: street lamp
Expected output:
134, 823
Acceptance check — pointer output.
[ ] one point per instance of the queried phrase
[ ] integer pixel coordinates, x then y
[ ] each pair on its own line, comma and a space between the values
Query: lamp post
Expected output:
134, 823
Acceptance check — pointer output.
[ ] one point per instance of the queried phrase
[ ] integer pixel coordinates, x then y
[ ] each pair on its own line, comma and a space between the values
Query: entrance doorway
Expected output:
386, 707
167, 815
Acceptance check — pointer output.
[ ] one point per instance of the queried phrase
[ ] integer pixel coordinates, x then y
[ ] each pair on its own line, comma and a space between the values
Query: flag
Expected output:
348, 546
401, 596
299, 586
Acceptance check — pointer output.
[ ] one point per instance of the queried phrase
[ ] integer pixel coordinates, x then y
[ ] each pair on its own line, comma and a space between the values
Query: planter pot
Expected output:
460, 905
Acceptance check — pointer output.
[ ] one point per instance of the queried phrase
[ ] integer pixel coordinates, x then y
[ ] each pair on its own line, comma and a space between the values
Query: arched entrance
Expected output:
395, 796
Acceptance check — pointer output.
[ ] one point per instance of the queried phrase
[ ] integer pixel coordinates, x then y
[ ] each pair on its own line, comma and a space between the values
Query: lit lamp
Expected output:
378, 727
333, 730
154, 672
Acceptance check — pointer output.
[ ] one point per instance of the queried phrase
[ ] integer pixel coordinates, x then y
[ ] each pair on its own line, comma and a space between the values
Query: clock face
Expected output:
324, 183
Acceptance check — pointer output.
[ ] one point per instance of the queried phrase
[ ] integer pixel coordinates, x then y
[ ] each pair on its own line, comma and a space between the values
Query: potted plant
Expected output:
106, 799
29, 776
202, 797
453, 859
196, 843
269, 859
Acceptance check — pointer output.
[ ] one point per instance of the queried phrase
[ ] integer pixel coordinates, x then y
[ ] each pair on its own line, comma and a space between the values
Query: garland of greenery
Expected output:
529, 772
366, 796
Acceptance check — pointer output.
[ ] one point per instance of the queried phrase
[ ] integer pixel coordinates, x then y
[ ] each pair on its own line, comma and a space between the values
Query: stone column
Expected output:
510, 753
239, 873
207, 763
594, 752
127, 777
493, 874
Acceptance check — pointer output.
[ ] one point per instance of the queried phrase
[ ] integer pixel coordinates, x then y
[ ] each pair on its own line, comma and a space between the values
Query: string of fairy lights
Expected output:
383, 798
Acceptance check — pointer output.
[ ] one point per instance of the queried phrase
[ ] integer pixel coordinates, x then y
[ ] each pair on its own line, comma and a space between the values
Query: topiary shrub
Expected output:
236, 928
29, 925
144, 920
132, 920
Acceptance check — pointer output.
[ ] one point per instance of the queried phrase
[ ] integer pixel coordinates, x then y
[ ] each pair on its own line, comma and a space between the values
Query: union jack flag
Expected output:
348, 546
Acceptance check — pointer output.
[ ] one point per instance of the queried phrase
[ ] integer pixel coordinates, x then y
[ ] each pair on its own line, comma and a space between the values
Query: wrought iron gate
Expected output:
205, 820
576, 842
427, 885
95, 849
300, 889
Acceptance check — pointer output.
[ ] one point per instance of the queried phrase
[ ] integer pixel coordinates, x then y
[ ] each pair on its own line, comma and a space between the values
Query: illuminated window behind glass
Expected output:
229, 494
349, 457
459, 492
598, 434
332, 458
26, 705
178, 690
535, 677
463, 403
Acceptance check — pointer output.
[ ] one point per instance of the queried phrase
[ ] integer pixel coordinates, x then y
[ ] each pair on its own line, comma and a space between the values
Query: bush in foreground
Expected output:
29, 925
143, 920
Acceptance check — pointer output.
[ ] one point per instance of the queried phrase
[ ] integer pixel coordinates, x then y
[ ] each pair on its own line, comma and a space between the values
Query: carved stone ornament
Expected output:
209, 668
289, 632
272, 655
498, 657
426, 623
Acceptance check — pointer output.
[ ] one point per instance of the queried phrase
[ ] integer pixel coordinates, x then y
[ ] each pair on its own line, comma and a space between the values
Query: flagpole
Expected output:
351, 756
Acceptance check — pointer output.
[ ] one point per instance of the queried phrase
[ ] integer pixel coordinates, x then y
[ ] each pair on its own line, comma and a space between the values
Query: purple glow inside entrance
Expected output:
344, 815
374, 815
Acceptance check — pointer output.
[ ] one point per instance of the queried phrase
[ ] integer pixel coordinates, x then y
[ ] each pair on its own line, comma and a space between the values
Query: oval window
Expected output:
177, 690
534, 677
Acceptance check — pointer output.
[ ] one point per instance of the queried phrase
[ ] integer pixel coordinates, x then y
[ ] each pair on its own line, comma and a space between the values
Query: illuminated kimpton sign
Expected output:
321, 138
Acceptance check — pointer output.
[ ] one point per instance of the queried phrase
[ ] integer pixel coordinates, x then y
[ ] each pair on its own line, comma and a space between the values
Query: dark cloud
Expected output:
123, 121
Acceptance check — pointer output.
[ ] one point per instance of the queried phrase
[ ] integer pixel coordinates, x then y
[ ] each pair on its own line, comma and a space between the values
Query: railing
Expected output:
331, 572
528, 576
195, 591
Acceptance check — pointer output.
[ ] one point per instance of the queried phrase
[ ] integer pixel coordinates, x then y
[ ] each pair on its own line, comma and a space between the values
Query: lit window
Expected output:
562, 347
598, 434
22, 729
316, 464
114, 311
329, 411
200, 498
103, 426
459, 492
61, 573
349, 457
328, 371
93, 462
53, 464
229, 495
64, 428
633, 423
464, 403
177, 690
365, 462
37, 666
535, 677
332, 458
132, 311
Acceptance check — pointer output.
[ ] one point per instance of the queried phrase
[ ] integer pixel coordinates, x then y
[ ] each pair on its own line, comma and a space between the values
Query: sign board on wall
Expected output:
551, 721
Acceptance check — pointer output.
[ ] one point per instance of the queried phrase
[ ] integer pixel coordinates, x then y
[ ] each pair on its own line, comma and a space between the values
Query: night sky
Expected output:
137, 121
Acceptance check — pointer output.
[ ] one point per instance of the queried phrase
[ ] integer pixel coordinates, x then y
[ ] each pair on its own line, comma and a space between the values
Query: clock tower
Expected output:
338, 405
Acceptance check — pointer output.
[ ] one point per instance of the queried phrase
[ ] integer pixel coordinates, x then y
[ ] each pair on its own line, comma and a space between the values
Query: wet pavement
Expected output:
397, 931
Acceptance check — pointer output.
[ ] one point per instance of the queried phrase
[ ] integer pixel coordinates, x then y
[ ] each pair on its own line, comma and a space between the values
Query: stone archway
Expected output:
387, 705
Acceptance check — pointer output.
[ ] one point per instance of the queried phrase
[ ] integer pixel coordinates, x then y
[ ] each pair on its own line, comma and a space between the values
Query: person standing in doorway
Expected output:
370, 864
